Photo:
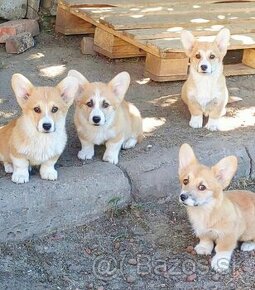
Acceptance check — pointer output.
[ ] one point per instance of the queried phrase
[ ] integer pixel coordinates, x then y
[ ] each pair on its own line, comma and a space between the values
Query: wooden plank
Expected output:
114, 47
249, 57
166, 66
68, 24
170, 9
174, 31
186, 21
229, 70
238, 70
162, 46
124, 3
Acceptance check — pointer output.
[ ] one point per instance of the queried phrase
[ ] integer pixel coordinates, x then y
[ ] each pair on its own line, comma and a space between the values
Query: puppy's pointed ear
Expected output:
188, 41
74, 73
69, 89
186, 157
222, 40
22, 88
119, 85
225, 169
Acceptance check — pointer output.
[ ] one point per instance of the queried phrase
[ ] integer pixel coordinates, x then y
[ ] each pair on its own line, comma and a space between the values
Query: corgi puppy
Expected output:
102, 116
205, 91
217, 217
38, 136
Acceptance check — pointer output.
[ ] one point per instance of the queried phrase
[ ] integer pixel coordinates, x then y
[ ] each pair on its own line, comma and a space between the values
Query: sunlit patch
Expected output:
221, 17
1, 101
151, 124
214, 28
206, 38
175, 29
7, 115
134, 9
152, 9
101, 10
166, 101
241, 118
137, 16
244, 39
170, 9
36, 56
199, 20
196, 6
53, 71
143, 81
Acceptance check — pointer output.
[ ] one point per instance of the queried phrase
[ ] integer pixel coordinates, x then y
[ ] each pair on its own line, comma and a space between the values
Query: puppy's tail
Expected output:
232, 99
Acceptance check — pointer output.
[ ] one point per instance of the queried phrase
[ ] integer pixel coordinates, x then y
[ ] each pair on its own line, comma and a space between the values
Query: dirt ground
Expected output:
147, 246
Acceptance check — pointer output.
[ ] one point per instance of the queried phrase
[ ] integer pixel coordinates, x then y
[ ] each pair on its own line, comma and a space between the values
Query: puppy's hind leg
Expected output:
8, 167
248, 246
129, 143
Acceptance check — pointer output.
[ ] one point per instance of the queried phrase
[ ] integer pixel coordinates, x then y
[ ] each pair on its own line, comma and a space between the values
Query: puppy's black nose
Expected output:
46, 126
96, 119
183, 196
204, 67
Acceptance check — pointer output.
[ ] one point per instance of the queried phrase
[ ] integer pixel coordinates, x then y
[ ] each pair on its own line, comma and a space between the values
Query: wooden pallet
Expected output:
152, 28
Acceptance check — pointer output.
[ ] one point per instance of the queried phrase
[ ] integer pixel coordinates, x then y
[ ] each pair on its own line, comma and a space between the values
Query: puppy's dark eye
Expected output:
90, 104
212, 56
54, 109
198, 56
105, 104
37, 110
201, 187
185, 181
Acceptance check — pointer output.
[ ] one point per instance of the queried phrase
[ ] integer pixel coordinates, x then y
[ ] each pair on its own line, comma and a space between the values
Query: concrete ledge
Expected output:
84, 193
81, 194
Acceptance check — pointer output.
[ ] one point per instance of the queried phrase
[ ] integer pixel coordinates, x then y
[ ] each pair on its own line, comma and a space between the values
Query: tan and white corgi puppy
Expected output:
205, 91
38, 136
102, 116
218, 217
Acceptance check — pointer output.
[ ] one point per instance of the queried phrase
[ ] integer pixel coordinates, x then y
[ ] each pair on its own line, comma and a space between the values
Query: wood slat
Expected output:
186, 21
124, 3
237, 41
170, 9
174, 31
229, 70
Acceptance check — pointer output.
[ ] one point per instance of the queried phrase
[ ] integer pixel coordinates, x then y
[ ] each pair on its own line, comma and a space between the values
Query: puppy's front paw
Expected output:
20, 177
111, 157
86, 154
220, 262
49, 173
212, 125
202, 249
196, 122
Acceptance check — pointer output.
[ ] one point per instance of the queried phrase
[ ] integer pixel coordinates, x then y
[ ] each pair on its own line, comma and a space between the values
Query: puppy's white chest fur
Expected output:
205, 90
40, 147
99, 135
